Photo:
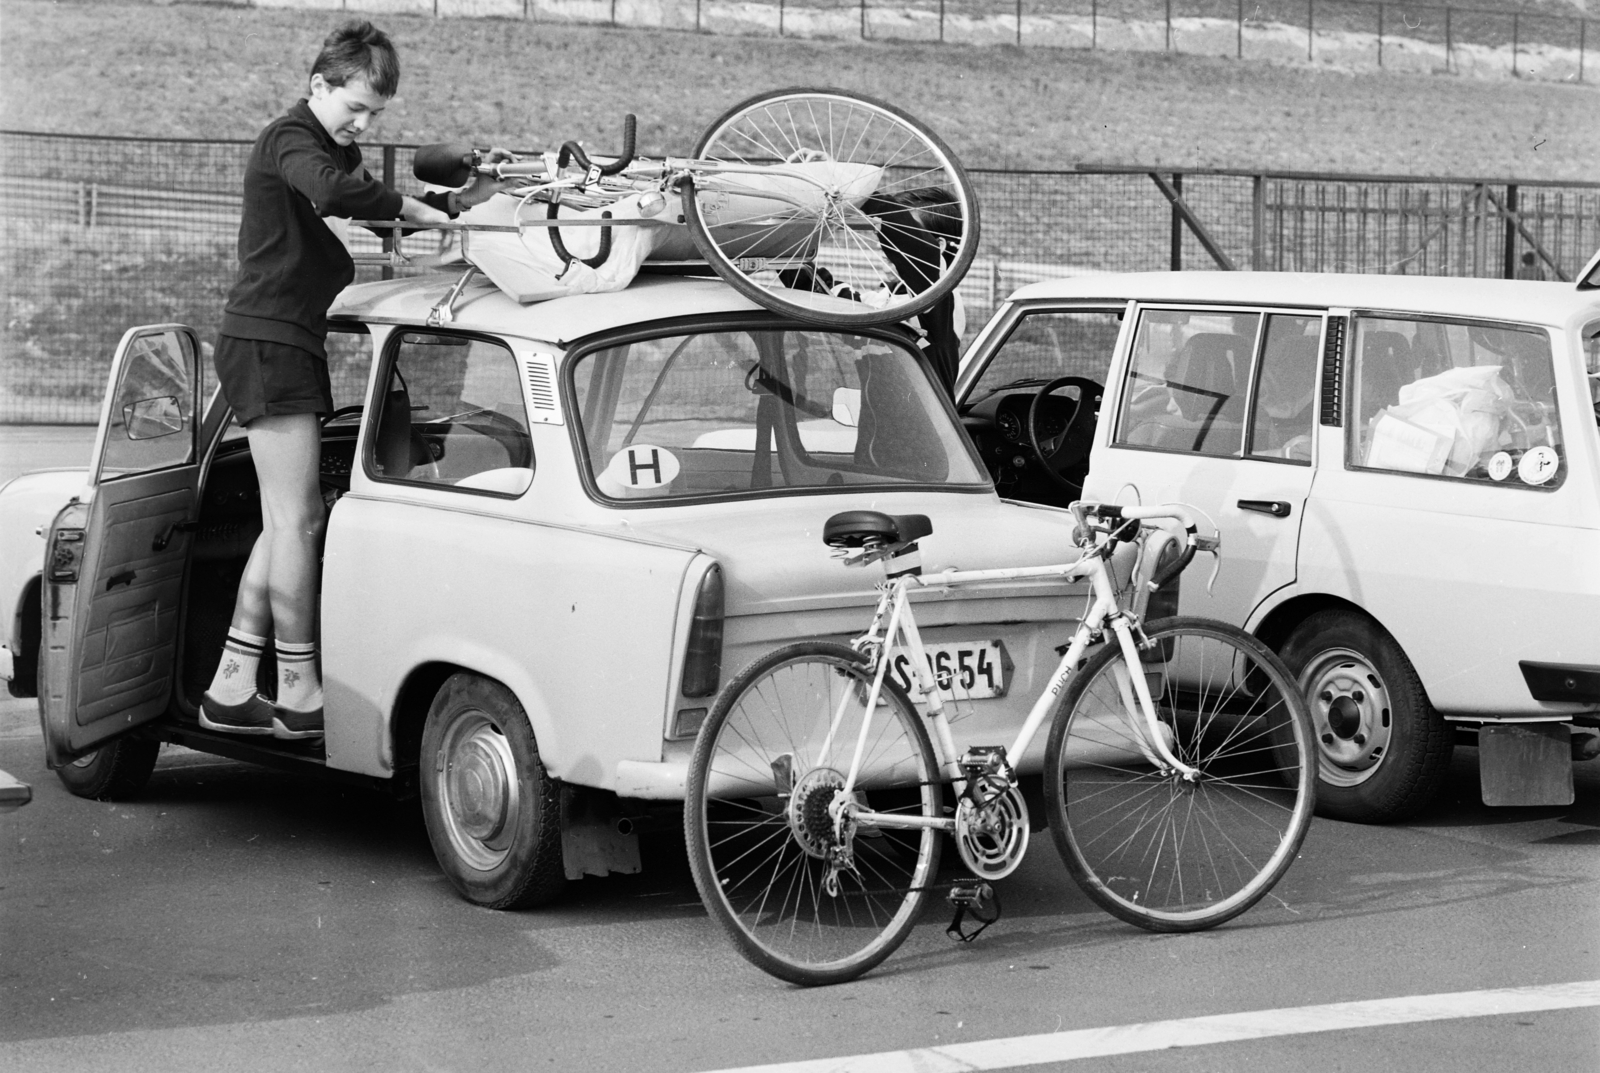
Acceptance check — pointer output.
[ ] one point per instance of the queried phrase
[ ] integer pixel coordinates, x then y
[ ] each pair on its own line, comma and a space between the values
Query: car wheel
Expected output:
1383, 750
118, 769
493, 813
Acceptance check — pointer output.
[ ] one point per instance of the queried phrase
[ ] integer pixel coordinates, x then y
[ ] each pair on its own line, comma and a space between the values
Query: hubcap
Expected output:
1352, 713
478, 784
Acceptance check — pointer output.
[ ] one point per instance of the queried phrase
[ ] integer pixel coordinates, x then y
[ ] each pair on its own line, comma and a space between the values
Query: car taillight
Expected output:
66, 555
702, 660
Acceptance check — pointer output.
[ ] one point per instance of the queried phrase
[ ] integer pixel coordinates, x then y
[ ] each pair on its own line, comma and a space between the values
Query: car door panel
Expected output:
111, 614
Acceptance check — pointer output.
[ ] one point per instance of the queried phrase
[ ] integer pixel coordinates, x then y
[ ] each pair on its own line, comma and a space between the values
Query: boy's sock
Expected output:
299, 684
235, 680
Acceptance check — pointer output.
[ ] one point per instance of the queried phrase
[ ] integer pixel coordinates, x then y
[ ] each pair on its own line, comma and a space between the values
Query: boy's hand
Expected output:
423, 215
482, 187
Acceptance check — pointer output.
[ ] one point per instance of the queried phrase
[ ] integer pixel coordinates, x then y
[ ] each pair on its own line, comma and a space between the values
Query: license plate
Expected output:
964, 670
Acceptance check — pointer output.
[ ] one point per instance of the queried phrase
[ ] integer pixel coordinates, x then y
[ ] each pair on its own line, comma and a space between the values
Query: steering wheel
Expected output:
1070, 449
343, 411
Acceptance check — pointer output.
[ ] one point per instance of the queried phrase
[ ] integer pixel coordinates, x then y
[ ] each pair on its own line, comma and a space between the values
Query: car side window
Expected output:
152, 412
1187, 381
1457, 399
1048, 343
451, 414
1281, 411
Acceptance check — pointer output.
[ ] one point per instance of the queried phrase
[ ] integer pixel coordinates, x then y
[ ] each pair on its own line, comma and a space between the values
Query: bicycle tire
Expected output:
754, 850
800, 261
1150, 848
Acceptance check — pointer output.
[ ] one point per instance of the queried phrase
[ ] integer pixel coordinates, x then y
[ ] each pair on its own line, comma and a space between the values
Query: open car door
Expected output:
114, 568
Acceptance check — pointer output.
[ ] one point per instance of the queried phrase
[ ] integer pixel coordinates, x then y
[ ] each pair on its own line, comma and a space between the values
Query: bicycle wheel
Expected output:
831, 207
1150, 847
765, 855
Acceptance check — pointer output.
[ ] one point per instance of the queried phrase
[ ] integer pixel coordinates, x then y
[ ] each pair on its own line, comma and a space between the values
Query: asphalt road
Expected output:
234, 918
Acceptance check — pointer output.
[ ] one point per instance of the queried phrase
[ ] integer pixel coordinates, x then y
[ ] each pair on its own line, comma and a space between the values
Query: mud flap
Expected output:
591, 844
1525, 764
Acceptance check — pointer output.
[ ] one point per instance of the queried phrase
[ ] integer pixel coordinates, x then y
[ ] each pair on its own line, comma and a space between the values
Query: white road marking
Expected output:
1020, 1051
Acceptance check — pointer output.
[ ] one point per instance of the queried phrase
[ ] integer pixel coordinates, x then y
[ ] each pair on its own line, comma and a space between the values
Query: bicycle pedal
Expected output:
976, 898
983, 760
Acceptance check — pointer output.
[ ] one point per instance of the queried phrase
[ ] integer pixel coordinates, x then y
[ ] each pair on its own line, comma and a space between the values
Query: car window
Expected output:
152, 411
1281, 410
1187, 380
767, 411
451, 414
1046, 344
1455, 399
1591, 364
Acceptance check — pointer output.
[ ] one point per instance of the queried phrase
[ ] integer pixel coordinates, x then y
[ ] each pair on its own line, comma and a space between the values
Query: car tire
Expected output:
1383, 751
492, 812
117, 770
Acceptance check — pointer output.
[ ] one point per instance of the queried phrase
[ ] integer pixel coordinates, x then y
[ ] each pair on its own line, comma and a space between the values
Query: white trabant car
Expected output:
1405, 472
554, 530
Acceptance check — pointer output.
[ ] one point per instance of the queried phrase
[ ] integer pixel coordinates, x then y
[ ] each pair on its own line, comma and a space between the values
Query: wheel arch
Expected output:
1274, 628
410, 713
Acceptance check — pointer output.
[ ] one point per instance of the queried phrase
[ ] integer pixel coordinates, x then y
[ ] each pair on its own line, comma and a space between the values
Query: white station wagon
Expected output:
554, 530
1405, 472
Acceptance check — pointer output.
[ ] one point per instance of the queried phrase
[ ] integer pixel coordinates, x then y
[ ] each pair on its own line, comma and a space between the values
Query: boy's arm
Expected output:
308, 168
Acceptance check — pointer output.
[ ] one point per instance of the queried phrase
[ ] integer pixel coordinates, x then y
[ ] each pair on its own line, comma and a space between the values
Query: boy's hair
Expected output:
359, 49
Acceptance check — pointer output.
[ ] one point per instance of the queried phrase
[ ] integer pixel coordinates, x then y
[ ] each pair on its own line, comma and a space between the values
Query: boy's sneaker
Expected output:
254, 716
291, 725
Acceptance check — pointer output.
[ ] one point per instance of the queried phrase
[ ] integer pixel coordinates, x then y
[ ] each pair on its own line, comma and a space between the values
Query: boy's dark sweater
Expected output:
291, 265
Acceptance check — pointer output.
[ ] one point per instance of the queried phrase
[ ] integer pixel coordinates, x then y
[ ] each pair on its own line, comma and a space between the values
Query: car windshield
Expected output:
741, 412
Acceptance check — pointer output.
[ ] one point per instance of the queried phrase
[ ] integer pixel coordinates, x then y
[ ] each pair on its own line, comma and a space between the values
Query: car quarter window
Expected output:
1448, 398
451, 415
1187, 381
1048, 343
763, 411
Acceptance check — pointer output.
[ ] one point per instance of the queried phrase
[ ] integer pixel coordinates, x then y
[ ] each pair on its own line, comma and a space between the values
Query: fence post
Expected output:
697, 17
1380, 35
1019, 23
388, 180
1258, 222
941, 22
1169, 27
1311, 29
1177, 226
613, 13
1514, 43
1094, 34
1240, 53
1449, 49
1583, 27
863, 20
780, 18
1509, 260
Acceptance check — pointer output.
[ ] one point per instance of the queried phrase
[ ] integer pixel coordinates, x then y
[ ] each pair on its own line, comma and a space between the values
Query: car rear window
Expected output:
1456, 399
765, 412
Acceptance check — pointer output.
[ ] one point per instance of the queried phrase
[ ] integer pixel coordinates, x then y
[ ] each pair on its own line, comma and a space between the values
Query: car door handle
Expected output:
1275, 507
124, 578
164, 537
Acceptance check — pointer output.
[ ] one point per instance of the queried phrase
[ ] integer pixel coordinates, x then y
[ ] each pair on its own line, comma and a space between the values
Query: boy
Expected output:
273, 368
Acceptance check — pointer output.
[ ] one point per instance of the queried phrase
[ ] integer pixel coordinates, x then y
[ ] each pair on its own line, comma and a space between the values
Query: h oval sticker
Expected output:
642, 467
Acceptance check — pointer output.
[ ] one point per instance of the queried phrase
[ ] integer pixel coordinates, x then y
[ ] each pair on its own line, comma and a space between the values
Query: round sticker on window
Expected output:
1538, 465
639, 469
1500, 466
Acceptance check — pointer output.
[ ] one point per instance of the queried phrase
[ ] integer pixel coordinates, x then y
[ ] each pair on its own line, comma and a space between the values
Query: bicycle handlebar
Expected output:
1109, 512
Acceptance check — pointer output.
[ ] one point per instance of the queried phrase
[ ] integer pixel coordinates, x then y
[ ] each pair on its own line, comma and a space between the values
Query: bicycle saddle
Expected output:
858, 528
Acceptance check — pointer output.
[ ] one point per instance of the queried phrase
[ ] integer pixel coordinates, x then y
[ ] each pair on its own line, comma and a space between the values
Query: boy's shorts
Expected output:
260, 378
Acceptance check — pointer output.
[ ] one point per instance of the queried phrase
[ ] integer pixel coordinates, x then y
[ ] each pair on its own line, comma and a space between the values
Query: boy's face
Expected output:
345, 111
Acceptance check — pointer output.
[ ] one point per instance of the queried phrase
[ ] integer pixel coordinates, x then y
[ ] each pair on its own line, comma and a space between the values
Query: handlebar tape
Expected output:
448, 164
552, 212
1175, 568
572, 152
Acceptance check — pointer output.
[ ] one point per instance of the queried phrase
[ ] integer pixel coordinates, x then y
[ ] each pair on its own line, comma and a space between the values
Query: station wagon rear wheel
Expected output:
1383, 749
493, 813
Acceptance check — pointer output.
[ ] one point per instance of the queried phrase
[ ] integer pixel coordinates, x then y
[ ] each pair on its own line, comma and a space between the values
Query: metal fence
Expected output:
1357, 33
145, 231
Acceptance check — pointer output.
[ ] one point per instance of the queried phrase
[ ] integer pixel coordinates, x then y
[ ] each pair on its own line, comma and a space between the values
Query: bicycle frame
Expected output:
1104, 613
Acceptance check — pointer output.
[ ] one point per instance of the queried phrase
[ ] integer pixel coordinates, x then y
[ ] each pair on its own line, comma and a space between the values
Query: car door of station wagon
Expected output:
115, 564
1217, 406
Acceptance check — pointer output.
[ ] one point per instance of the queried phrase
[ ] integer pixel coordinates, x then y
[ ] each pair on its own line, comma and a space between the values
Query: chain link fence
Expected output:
144, 231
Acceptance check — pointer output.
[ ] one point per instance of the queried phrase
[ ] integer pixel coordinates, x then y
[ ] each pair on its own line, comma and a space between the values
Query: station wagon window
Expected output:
451, 414
1281, 410
743, 411
1187, 381
1455, 399
1046, 344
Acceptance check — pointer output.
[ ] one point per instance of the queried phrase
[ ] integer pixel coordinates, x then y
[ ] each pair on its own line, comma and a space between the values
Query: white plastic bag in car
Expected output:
527, 267
1442, 423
